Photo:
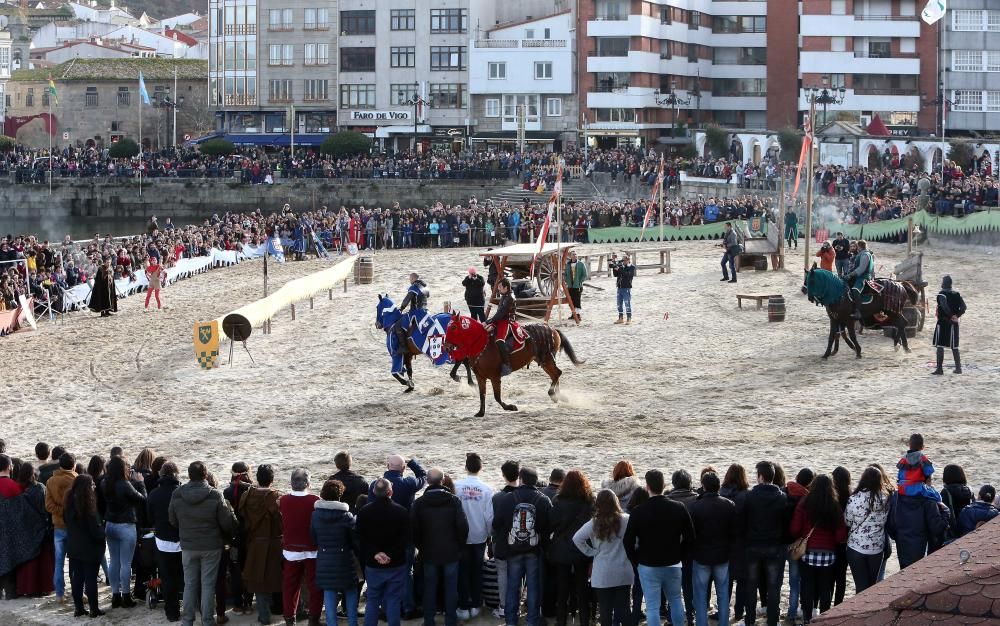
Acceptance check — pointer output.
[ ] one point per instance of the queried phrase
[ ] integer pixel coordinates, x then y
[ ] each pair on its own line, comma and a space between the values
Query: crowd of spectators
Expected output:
419, 541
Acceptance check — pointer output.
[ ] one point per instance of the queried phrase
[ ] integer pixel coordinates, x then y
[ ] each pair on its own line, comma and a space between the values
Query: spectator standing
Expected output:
842, 486
819, 519
624, 273
440, 531
332, 529
155, 275
477, 503
978, 513
572, 508
55, 499
576, 275
168, 546
9, 490
521, 527
551, 488
203, 518
34, 577
384, 533
950, 309
866, 515
549, 589
918, 525
239, 484
826, 256
475, 295
85, 543
656, 537
792, 230
622, 482
261, 515
731, 245
509, 470
714, 521
120, 500
735, 487
45, 467
680, 482
956, 494
611, 576
763, 524
842, 250
354, 484
299, 549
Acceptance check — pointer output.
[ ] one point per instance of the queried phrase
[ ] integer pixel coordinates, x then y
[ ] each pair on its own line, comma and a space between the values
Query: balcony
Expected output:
543, 43
521, 43
231, 100
885, 91
611, 17
497, 43
880, 55
886, 18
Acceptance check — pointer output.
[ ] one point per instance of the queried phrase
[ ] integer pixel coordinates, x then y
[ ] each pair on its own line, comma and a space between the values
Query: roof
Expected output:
526, 251
877, 128
938, 589
118, 69
520, 22
173, 33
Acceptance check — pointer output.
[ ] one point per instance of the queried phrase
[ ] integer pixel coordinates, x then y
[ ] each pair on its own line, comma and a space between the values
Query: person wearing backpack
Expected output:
521, 528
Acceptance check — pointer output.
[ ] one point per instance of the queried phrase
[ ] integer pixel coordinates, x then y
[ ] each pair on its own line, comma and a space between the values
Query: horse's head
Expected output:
386, 312
463, 332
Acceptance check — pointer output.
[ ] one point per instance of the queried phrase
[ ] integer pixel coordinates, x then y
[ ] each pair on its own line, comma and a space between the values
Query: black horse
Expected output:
883, 309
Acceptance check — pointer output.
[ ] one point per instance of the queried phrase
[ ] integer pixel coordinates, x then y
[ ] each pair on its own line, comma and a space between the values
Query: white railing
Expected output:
496, 43
543, 43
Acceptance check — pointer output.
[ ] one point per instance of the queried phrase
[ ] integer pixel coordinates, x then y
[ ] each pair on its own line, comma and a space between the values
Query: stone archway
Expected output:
755, 151
872, 157
913, 160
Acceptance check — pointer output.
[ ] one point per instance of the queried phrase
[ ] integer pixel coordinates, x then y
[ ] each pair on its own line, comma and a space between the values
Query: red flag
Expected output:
652, 199
553, 200
806, 145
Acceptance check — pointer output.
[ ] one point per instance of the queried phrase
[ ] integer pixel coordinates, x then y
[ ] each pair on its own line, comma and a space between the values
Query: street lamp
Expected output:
825, 96
943, 103
673, 101
168, 103
415, 101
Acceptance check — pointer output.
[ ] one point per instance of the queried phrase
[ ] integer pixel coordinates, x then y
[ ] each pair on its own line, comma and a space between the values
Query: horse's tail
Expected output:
564, 345
911, 291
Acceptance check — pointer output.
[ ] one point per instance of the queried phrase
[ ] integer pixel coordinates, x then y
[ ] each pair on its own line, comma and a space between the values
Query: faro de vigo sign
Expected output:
381, 116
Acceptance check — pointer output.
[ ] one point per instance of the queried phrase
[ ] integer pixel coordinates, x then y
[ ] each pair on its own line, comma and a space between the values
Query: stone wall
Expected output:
82, 208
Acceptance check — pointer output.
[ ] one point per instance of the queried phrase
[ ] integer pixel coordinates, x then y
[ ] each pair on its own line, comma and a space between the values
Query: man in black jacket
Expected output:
658, 533
439, 532
475, 295
714, 519
384, 531
624, 272
521, 528
168, 547
354, 484
681, 492
762, 523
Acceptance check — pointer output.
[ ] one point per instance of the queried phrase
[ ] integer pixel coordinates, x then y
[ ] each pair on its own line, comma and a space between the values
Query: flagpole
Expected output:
140, 143
809, 180
559, 271
50, 142
661, 206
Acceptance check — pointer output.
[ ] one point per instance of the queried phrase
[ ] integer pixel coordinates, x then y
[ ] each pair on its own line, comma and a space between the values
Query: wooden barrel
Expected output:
364, 271
776, 309
760, 264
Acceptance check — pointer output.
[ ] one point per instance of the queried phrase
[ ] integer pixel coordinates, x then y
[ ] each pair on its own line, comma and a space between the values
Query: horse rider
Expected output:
502, 321
863, 270
414, 305
950, 307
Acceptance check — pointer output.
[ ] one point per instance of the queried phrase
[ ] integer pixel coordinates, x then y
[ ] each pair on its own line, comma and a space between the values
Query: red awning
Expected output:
876, 128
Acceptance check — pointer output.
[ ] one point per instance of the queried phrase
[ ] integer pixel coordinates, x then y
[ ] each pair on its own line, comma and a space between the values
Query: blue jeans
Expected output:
527, 567
121, 545
448, 576
385, 589
730, 261
470, 576
657, 582
625, 298
701, 575
842, 265
350, 599
59, 577
794, 584
409, 599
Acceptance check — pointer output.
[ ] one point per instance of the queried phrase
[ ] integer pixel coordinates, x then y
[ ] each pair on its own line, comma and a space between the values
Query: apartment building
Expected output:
971, 58
523, 83
5, 70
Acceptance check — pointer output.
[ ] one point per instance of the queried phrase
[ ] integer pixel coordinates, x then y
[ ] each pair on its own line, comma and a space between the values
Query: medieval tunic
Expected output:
103, 297
949, 303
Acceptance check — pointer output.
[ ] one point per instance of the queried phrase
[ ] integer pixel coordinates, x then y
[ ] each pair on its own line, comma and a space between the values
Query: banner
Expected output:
206, 344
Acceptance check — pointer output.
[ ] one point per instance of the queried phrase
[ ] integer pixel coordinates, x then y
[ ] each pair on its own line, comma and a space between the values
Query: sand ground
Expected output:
712, 384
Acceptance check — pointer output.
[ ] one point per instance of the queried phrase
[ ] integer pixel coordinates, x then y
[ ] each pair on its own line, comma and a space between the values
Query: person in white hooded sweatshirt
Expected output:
477, 502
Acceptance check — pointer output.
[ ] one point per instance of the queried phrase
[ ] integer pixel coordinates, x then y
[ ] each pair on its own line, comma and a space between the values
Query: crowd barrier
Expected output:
10, 320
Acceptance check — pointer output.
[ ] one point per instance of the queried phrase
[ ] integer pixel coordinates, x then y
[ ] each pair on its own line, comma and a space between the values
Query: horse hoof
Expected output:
456, 378
825, 357
480, 414
857, 356
510, 407
408, 390
907, 350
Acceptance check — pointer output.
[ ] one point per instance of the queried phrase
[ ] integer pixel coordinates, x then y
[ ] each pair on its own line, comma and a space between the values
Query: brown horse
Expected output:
466, 338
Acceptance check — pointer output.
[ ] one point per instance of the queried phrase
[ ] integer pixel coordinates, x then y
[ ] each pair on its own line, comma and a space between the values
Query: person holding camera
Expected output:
623, 272
732, 247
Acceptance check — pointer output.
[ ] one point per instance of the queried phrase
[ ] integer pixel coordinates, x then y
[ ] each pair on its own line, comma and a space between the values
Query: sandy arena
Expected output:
712, 384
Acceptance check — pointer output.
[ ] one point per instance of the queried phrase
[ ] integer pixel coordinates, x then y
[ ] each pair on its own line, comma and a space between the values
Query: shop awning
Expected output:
263, 139
537, 135
383, 132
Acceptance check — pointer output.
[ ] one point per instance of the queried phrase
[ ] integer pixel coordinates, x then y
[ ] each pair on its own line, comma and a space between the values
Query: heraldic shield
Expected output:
206, 344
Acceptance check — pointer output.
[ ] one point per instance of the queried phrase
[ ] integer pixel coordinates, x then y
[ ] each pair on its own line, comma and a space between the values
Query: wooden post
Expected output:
312, 304
781, 219
809, 181
909, 235
345, 288
330, 293
293, 312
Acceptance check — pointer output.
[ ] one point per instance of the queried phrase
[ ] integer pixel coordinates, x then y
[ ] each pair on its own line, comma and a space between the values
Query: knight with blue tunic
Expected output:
413, 307
863, 270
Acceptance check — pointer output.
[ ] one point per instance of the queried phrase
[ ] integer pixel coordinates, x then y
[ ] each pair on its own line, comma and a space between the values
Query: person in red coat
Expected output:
299, 549
819, 517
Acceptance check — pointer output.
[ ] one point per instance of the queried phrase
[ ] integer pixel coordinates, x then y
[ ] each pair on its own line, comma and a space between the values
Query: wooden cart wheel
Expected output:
922, 311
545, 275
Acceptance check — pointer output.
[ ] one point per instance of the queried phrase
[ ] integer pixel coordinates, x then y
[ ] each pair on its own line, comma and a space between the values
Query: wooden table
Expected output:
663, 265
759, 297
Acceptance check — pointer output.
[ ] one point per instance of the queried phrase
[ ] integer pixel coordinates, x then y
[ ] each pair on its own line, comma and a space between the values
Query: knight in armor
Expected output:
414, 305
862, 271
950, 307
502, 321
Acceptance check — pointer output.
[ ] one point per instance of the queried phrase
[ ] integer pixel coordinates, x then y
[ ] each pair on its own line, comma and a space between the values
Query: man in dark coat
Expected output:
261, 517
475, 295
681, 491
918, 525
384, 532
168, 547
332, 528
950, 307
354, 484
440, 529
714, 519
104, 296
762, 523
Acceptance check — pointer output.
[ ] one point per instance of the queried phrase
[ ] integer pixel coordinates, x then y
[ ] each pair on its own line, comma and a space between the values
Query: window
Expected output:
314, 89
993, 60
357, 22
966, 20
529, 33
357, 59
543, 70
5, 59
317, 19
612, 46
403, 56
993, 101
29, 97
695, 20
357, 96
493, 107
45, 97
275, 122
665, 15
448, 57
838, 44
736, 87
740, 56
279, 19
615, 115
609, 81
967, 60
124, 97
316, 54
448, 95
280, 54
317, 122
885, 84
402, 19
879, 49
511, 103
967, 100
280, 91
837, 81
498, 71
692, 50
90, 98
993, 21
449, 20
553, 107
400, 93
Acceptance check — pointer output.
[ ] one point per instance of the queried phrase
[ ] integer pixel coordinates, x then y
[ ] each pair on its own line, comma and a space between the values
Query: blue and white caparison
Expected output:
424, 330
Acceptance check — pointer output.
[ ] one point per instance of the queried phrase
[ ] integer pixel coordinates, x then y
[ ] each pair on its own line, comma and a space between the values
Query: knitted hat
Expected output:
946, 282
